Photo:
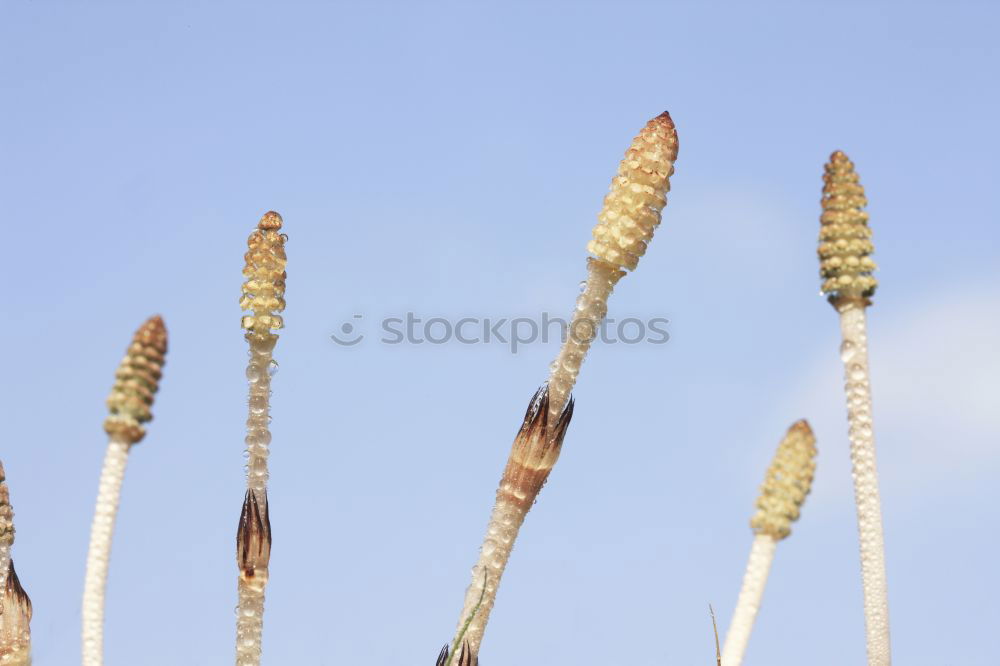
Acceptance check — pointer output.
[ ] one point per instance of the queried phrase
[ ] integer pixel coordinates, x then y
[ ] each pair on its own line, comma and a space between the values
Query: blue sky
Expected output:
449, 160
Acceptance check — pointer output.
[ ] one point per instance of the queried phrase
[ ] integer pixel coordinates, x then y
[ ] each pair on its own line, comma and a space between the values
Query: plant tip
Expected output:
270, 221
136, 382
638, 194
787, 483
263, 297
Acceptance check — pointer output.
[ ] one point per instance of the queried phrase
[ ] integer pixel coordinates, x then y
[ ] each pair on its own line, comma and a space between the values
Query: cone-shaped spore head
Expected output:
638, 194
787, 483
136, 382
264, 289
845, 237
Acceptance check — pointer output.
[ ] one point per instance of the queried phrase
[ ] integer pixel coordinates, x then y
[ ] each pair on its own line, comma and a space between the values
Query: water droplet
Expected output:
847, 351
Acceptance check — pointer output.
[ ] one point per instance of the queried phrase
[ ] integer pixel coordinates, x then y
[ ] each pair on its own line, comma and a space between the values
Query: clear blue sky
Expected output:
449, 159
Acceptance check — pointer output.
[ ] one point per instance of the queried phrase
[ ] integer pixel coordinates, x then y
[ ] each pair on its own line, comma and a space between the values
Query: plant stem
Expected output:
786, 485
136, 381
626, 223
98, 554
591, 308
854, 354
263, 298
254, 533
534, 453
751, 593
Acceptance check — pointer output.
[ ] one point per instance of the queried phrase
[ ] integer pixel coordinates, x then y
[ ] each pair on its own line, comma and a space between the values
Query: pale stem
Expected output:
250, 620
101, 531
854, 354
505, 522
748, 603
258, 419
591, 307
250, 610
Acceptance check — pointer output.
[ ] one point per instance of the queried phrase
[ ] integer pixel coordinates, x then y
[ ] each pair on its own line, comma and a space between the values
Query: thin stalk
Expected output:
846, 267
136, 381
854, 352
786, 485
101, 532
534, 453
263, 299
625, 227
748, 603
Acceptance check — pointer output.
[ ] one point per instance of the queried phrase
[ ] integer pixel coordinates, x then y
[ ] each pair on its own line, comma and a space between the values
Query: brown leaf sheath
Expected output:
253, 537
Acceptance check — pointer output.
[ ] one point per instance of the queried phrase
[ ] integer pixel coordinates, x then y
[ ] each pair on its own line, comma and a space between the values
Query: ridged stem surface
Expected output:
250, 590
591, 308
505, 522
854, 354
250, 620
534, 452
258, 437
99, 553
626, 223
748, 603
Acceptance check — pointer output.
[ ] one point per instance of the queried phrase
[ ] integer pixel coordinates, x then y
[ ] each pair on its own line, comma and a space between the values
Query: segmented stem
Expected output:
846, 267
786, 486
263, 300
624, 229
534, 453
99, 553
129, 404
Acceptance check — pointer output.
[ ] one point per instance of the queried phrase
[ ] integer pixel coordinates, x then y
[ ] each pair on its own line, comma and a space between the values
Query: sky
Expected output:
448, 160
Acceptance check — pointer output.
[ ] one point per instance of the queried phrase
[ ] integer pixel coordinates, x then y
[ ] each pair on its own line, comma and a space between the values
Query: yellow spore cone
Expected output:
844, 237
136, 381
788, 482
264, 289
638, 194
